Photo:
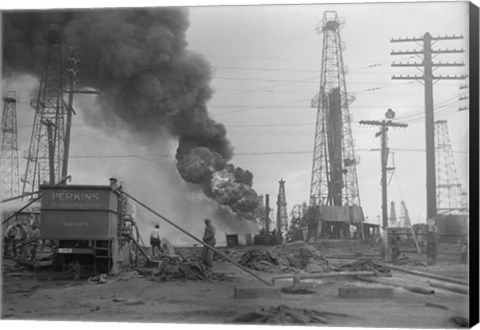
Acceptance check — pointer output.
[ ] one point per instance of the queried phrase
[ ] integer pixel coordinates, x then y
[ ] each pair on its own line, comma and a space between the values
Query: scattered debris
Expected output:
258, 259
174, 269
286, 258
98, 279
285, 315
406, 261
366, 265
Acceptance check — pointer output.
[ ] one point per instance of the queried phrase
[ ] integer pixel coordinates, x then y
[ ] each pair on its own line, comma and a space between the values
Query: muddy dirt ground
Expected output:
132, 297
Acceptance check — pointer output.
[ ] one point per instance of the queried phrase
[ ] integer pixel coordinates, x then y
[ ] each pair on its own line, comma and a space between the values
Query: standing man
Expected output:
9, 240
209, 238
394, 244
34, 241
432, 241
155, 238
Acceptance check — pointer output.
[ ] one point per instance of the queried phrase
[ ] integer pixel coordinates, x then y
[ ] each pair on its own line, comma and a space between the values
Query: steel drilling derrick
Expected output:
450, 197
51, 110
282, 216
10, 184
334, 174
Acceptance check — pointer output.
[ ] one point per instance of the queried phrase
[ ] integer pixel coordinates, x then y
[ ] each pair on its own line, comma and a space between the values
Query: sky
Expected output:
266, 62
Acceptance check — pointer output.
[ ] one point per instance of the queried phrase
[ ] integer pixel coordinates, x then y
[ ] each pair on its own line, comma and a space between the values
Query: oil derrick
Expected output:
49, 139
406, 218
334, 174
10, 184
282, 217
449, 191
393, 215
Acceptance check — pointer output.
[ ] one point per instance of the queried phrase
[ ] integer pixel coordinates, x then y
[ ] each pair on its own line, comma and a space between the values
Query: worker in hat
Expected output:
15, 235
34, 235
9, 240
395, 246
155, 238
209, 238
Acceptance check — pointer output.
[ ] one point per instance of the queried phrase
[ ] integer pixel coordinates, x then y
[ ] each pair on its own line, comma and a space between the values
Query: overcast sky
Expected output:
266, 62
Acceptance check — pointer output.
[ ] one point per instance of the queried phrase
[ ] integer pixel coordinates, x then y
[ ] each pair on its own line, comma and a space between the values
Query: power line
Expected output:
152, 157
265, 69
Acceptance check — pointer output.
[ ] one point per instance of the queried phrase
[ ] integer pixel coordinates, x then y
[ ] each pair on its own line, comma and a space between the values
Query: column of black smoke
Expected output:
148, 79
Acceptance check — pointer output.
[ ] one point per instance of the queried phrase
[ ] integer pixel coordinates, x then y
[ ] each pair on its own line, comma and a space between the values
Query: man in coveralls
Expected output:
209, 238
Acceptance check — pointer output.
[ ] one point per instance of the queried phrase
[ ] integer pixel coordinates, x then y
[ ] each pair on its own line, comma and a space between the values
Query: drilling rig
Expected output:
334, 195
49, 144
452, 211
10, 184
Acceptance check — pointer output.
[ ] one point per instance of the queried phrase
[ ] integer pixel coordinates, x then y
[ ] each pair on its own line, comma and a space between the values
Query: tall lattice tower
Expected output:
282, 216
10, 184
449, 190
334, 174
50, 112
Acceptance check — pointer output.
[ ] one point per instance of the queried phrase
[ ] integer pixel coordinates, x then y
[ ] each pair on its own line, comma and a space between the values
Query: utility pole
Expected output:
384, 125
428, 78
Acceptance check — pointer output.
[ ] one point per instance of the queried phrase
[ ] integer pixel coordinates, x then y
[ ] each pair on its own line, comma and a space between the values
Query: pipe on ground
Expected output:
449, 287
429, 275
298, 277
414, 289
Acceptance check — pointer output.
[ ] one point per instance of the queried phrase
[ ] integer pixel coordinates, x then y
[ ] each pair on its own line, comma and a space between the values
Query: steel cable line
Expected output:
152, 157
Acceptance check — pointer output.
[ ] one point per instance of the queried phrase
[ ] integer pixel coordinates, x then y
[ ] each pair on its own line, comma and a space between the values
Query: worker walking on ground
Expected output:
155, 239
34, 241
23, 239
209, 238
432, 242
394, 244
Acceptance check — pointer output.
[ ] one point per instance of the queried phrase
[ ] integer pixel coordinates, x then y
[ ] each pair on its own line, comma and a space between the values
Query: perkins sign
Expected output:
78, 196
75, 199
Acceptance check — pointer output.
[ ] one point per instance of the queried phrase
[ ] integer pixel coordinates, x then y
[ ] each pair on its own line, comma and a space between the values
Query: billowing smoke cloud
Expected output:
149, 81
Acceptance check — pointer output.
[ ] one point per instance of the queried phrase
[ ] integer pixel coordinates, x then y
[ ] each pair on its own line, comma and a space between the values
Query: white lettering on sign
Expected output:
81, 196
